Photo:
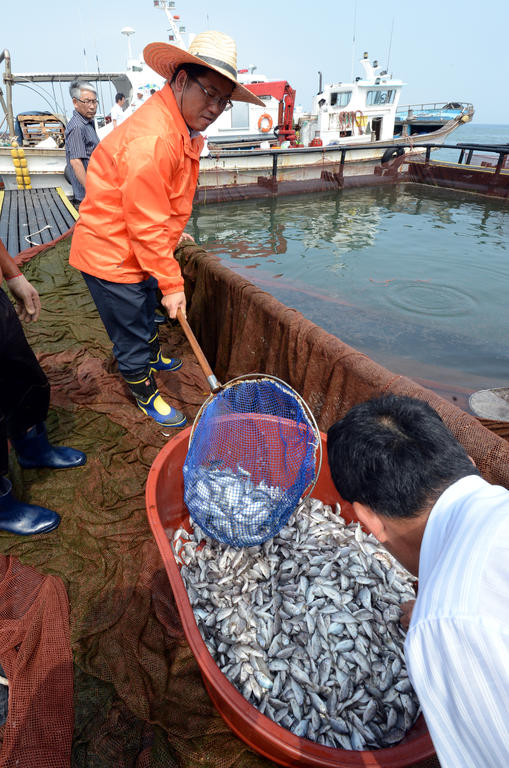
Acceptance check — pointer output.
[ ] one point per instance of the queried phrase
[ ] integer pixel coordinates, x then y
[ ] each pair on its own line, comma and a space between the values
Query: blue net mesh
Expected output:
251, 458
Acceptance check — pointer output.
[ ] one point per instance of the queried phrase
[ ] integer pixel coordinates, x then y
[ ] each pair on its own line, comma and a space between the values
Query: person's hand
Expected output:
406, 613
174, 301
185, 238
28, 303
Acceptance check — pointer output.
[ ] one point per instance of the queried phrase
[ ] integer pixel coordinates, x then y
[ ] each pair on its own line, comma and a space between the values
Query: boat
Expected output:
425, 118
347, 136
491, 403
252, 148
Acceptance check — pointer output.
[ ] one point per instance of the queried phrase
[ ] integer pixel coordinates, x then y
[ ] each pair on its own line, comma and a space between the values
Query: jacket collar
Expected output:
192, 145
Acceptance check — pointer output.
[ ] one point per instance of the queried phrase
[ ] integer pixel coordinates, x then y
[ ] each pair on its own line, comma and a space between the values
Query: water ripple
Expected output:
422, 298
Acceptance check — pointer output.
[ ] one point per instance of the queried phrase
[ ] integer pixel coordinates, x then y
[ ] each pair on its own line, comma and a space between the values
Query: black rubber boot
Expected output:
34, 450
152, 404
157, 361
23, 519
160, 319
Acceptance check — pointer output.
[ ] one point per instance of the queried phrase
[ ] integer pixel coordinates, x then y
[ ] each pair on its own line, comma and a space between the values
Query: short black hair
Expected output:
395, 455
119, 97
193, 70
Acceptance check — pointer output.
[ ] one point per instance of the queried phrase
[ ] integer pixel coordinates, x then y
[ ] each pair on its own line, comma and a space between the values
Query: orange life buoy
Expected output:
265, 123
359, 119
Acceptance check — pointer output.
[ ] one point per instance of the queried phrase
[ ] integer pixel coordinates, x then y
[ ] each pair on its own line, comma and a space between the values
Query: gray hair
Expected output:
77, 86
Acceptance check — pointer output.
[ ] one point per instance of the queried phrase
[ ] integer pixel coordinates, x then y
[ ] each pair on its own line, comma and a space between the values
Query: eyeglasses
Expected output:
87, 101
223, 104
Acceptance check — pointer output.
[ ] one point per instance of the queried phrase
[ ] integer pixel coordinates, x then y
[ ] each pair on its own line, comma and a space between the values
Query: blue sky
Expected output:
443, 51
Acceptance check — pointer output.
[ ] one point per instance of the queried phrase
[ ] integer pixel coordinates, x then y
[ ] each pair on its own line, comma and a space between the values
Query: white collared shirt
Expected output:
457, 646
118, 114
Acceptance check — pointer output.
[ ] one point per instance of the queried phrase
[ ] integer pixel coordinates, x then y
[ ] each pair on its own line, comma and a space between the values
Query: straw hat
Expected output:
214, 50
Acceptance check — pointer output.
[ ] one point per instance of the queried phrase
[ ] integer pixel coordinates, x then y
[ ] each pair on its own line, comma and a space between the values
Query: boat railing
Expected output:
467, 150
394, 150
436, 110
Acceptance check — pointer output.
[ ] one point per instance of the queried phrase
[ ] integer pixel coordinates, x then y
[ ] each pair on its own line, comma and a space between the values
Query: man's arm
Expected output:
174, 301
458, 668
151, 169
8, 266
28, 303
406, 613
79, 170
76, 152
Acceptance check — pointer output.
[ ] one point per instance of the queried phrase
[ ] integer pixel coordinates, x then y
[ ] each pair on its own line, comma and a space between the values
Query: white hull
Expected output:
225, 168
46, 168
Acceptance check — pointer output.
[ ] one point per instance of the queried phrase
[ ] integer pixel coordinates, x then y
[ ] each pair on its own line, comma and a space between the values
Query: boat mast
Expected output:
175, 37
7, 107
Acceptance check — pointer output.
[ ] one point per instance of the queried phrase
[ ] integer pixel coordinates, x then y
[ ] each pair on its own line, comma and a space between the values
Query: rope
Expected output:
32, 234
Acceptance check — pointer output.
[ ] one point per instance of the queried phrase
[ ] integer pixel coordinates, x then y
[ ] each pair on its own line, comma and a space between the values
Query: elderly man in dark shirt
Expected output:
80, 136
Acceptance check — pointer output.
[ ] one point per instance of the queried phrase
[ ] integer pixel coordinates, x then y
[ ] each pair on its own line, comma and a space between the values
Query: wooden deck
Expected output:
31, 217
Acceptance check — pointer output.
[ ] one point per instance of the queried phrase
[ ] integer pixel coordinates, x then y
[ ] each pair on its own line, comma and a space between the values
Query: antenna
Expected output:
390, 45
100, 88
353, 37
128, 32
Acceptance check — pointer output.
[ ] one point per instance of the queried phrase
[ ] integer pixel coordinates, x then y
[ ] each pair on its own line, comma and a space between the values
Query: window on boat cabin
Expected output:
340, 98
240, 114
380, 97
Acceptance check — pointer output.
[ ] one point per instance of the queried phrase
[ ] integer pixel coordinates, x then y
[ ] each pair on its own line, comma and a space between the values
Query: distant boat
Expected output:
251, 147
426, 118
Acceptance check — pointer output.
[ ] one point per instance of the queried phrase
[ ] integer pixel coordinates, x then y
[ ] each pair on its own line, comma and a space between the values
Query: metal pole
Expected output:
7, 107
501, 157
274, 166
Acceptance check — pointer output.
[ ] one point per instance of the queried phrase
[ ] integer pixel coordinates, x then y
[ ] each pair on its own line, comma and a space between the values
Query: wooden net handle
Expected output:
213, 383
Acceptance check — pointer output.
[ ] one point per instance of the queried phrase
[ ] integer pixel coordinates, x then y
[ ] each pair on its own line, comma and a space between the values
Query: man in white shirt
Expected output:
117, 111
137, 102
414, 487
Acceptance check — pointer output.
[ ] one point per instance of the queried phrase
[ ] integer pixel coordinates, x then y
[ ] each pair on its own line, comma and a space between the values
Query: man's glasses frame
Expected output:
88, 101
222, 103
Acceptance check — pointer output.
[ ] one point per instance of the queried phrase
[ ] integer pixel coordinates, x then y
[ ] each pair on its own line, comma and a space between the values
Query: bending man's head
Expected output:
206, 88
395, 455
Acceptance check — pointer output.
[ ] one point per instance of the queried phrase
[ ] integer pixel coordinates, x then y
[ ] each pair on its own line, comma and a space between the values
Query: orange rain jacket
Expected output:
141, 181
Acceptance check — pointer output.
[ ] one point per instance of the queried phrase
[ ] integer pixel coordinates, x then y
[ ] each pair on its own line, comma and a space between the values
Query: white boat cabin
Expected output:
356, 112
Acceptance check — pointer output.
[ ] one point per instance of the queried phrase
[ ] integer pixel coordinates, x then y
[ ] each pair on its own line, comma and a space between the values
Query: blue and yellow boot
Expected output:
157, 361
149, 400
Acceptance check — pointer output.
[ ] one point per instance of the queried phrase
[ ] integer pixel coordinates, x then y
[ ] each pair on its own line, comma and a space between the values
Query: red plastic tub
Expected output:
166, 512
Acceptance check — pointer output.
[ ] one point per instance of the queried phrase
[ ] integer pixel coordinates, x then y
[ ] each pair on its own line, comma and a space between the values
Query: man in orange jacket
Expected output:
141, 181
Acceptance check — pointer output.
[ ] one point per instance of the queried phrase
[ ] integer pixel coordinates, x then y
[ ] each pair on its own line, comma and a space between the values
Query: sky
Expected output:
444, 50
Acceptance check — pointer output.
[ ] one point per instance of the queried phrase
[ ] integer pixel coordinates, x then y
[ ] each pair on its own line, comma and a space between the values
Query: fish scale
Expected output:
315, 610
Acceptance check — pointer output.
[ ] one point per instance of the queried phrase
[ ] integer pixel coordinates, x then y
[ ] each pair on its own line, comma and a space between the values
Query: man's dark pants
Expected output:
24, 388
128, 314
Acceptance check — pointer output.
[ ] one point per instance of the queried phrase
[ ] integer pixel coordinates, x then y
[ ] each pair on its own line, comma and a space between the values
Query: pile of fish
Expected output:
306, 626
229, 506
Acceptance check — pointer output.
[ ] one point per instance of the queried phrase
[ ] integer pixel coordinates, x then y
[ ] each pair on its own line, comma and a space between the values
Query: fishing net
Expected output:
252, 456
